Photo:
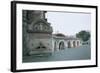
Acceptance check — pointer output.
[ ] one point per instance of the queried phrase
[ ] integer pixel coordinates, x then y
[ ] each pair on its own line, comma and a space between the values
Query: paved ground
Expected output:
80, 53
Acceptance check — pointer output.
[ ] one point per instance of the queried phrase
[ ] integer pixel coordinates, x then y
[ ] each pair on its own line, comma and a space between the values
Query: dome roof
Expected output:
60, 34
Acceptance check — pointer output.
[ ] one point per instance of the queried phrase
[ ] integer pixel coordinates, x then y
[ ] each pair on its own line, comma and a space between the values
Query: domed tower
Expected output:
39, 33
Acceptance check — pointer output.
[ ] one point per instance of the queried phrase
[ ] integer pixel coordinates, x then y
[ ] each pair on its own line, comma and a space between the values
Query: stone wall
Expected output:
39, 44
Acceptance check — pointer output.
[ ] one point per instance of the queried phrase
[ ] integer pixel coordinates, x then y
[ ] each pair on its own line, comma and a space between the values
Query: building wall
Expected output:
56, 43
35, 41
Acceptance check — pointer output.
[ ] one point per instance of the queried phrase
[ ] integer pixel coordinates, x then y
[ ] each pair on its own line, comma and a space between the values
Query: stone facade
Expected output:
65, 42
38, 37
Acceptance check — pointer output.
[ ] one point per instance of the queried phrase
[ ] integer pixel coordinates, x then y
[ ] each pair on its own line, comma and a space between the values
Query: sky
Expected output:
69, 23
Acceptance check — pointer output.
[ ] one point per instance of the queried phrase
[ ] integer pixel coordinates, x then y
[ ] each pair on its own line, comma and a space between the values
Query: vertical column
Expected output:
42, 14
71, 43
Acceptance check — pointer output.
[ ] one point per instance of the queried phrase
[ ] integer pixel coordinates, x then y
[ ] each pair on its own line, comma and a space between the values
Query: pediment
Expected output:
41, 26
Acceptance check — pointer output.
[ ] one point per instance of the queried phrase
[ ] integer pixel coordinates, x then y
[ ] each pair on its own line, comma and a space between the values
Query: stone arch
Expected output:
69, 44
55, 46
61, 45
74, 43
77, 43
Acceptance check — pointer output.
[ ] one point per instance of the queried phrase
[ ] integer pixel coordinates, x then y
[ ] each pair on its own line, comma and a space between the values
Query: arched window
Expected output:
61, 45
77, 43
74, 44
41, 26
69, 44
55, 46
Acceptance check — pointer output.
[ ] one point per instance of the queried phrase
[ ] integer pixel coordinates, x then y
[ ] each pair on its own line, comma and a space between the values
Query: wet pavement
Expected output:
80, 53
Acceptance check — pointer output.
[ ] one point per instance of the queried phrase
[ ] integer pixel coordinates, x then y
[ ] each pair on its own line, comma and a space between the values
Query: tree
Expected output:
83, 35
